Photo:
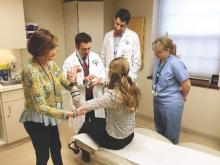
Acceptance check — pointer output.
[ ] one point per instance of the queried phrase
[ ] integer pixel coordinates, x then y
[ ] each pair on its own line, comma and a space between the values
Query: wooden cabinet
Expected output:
12, 106
12, 24
84, 17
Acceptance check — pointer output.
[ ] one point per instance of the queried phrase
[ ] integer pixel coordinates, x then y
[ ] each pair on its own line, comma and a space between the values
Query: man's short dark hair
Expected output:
82, 37
124, 15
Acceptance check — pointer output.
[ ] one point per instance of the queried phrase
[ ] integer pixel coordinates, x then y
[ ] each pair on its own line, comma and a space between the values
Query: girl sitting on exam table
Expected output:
120, 101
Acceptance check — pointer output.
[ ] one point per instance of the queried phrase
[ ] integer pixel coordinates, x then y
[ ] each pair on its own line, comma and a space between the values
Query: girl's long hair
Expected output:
119, 79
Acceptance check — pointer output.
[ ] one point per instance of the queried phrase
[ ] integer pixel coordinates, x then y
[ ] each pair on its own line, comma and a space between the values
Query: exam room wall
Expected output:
49, 15
109, 8
201, 112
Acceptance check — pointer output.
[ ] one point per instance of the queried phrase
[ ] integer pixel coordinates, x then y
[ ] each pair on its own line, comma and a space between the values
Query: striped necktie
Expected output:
85, 67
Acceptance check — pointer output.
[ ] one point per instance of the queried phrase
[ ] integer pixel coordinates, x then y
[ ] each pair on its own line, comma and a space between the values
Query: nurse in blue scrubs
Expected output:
170, 88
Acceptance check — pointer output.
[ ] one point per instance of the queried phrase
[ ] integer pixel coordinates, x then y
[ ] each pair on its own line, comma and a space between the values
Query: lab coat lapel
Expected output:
121, 44
91, 65
111, 40
80, 75
75, 60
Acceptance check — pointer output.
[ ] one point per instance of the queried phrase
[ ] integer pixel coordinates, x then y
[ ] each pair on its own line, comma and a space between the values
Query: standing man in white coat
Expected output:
90, 77
122, 42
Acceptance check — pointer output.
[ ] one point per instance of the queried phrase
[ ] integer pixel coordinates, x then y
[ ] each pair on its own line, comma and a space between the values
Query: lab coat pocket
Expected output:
127, 53
127, 50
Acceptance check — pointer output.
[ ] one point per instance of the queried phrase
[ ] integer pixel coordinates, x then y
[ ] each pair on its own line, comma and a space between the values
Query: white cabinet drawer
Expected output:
12, 112
12, 95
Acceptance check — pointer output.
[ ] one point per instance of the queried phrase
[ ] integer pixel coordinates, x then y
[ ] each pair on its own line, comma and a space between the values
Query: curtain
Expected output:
194, 26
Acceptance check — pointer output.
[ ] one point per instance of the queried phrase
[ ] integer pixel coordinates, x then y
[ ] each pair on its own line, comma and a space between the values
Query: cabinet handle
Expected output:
9, 111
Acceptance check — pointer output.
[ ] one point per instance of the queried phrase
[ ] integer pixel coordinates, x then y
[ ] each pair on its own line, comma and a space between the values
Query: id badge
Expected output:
58, 105
154, 91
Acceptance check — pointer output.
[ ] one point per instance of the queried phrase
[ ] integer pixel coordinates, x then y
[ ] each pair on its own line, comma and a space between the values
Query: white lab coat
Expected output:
128, 47
97, 69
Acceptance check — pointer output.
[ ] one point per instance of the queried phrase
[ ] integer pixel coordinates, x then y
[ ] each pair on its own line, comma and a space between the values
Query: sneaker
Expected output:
74, 147
86, 156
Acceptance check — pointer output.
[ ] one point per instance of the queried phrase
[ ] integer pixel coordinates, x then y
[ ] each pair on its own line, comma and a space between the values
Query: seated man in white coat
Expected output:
90, 77
122, 42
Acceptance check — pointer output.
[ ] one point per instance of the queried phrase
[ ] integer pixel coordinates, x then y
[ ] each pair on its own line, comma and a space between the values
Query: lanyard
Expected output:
159, 69
53, 83
81, 61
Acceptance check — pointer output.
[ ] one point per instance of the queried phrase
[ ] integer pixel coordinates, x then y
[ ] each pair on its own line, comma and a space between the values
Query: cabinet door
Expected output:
84, 17
12, 111
70, 25
91, 21
12, 25
2, 127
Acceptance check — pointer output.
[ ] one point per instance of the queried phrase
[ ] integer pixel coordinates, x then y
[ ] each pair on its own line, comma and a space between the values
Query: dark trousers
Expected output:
96, 129
45, 140
89, 115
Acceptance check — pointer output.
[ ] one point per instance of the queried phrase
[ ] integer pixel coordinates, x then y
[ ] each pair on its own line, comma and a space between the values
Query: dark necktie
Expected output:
89, 92
85, 67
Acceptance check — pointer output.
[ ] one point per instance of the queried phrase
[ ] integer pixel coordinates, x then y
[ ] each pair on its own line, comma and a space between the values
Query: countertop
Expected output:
10, 87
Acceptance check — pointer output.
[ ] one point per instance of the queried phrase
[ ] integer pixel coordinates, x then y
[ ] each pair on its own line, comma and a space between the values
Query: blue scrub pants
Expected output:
167, 118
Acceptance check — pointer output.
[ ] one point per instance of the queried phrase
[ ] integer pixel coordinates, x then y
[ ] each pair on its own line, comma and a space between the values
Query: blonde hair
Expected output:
119, 79
164, 43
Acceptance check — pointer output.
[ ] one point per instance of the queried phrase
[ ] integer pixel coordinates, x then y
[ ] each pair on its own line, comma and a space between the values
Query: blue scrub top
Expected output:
169, 82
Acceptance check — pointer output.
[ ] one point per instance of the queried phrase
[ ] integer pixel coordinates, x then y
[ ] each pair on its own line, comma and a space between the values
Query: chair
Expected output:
201, 148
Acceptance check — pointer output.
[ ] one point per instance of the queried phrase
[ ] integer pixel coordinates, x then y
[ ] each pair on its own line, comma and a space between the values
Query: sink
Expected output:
10, 82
